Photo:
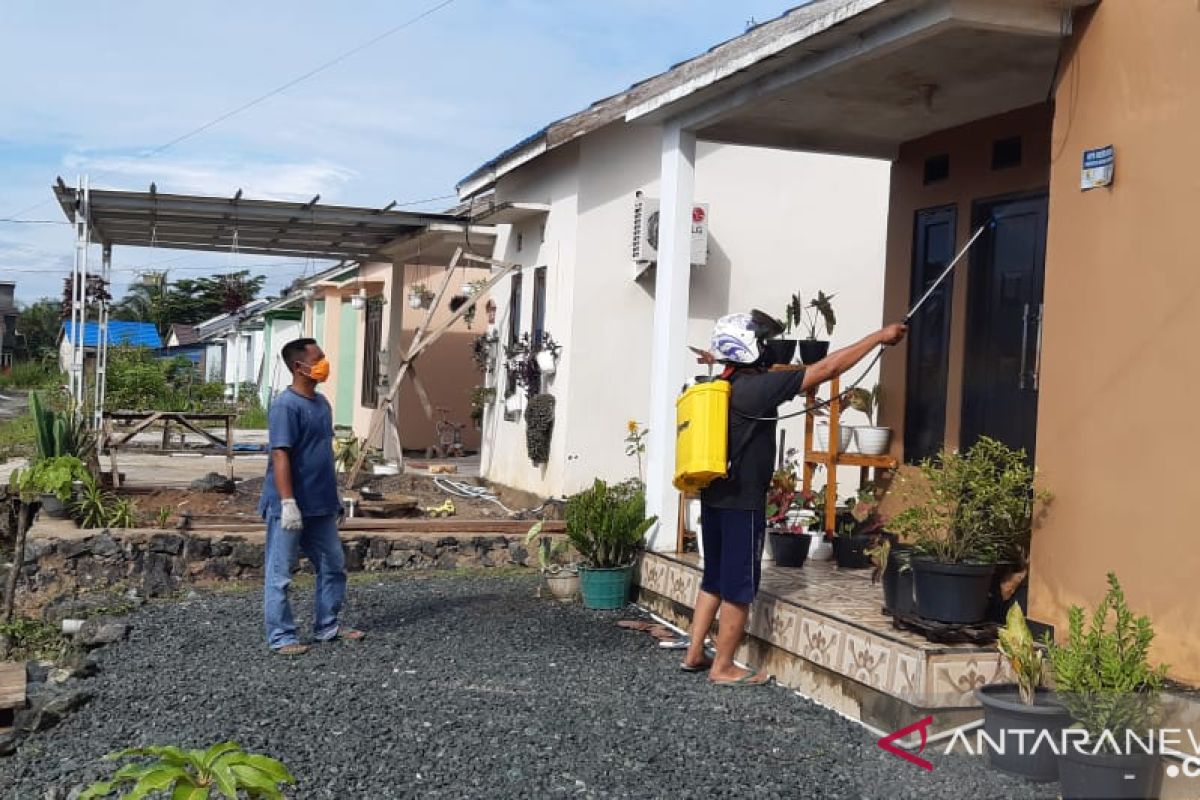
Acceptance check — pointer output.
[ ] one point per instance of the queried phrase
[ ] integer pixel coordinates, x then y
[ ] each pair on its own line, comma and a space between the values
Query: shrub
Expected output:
606, 523
224, 768
1103, 675
60, 433
31, 375
52, 476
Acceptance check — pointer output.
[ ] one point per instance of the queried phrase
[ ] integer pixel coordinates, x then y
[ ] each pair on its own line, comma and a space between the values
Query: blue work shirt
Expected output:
304, 427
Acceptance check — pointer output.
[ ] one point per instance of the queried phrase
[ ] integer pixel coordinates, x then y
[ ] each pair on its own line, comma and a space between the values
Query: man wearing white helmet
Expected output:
733, 508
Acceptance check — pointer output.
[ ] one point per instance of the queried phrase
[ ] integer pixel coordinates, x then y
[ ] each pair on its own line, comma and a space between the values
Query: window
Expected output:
514, 327
1006, 153
372, 349
539, 306
937, 169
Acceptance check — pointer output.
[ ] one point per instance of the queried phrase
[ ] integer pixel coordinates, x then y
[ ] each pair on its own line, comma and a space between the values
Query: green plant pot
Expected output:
55, 508
605, 588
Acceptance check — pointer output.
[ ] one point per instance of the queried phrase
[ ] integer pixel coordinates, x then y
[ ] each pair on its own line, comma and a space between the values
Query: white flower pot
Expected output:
546, 362
512, 403
822, 436
872, 441
801, 518
414, 301
819, 549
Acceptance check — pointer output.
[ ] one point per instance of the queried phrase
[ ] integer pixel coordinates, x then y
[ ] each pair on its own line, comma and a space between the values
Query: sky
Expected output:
100, 88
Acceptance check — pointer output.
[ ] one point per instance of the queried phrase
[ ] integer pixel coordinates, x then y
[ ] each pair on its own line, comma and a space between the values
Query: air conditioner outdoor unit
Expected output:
644, 249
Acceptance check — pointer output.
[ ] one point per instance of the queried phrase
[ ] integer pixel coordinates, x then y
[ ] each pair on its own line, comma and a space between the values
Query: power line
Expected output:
332, 62
13, 221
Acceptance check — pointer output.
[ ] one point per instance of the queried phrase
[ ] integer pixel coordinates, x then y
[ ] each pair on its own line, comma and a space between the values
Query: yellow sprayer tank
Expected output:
701, 435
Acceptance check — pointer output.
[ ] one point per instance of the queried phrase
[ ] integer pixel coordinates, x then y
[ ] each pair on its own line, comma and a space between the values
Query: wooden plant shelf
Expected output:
852, 460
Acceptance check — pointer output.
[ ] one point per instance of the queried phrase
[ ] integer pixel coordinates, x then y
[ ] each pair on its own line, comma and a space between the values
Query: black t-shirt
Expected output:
757, 394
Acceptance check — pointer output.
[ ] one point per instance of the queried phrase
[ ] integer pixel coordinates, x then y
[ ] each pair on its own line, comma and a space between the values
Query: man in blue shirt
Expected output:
300, 504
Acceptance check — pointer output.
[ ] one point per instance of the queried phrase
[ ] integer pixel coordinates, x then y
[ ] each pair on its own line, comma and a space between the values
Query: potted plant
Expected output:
547, 354
891, 564
481, 398
483, 351
420, 296
1025, 706
821, 429
606, 524
1104, 678
871, 440
54, 480
857, 528
818, 311
562, 580
787, 520
973, 511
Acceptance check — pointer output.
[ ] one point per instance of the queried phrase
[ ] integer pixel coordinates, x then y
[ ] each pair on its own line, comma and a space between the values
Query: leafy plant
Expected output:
345, 451
1103, 675
974, 506
59, 434
31, 639
546, 344
548, 551
481, 398
1022, 653
32, 374
421, 292
224, 768
865, 400
819, 310
96, 508
121, 513
17, 436
879, 553
635, 443
539, 427
483, 351
163, 517
54, 476
606, 523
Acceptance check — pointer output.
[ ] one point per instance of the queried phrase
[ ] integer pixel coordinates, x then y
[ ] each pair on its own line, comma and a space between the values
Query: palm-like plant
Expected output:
606, 523
222, 771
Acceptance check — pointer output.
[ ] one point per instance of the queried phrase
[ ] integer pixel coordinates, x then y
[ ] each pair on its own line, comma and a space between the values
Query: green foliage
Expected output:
52, 476
223, 770
606, 523
819, 310
1103, 675
60, 433
865, 400
481, 398
549, 553
345, 452
975, 506
31, 375
96, 508
164, 302
38, 326
1022, 653
17, 437
253, 416
31, 639
163, 517
138, 380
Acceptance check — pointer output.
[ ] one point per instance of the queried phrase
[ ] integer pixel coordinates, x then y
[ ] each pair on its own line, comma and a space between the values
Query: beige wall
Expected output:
971, 178
1119, 356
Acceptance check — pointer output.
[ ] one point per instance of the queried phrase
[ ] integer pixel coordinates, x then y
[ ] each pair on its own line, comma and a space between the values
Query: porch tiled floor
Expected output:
831, 619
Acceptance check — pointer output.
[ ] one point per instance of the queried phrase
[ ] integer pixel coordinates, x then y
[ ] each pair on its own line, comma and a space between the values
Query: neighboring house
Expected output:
120, 334
777, 222
183, 342
360, 315
283, 320
994, 111
234, 347
8, 323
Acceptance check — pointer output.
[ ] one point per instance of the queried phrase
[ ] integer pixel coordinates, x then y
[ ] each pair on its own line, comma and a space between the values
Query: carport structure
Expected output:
235, 224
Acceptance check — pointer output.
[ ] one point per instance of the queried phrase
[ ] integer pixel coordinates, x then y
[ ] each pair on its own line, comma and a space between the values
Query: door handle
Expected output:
1024, 345
1037, 348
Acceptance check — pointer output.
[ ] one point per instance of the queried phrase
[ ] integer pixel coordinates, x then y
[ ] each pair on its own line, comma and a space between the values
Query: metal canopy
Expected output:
258, 227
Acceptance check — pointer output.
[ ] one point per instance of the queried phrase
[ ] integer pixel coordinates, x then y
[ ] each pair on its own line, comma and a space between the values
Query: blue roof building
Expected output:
135, 334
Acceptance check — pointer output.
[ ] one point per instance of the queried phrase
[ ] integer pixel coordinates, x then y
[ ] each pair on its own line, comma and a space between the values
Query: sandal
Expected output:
703, 666
346, 634
295, 649
751, 678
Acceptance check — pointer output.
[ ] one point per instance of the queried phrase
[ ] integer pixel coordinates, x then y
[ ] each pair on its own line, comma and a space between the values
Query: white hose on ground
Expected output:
469, 491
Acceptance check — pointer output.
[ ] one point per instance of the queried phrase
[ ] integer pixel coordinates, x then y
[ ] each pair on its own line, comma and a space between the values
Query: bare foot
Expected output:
689, 665
736, 676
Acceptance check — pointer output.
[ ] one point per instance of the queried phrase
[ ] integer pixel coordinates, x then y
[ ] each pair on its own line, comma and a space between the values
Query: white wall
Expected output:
779, 222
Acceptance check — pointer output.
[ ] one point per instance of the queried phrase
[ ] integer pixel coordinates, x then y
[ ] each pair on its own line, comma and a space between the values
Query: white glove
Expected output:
289, 515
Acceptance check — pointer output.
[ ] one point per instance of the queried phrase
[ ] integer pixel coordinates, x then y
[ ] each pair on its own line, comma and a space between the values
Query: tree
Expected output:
37, 329
186, 301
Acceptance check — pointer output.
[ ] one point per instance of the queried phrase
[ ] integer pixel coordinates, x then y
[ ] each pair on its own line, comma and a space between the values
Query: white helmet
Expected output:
735, 339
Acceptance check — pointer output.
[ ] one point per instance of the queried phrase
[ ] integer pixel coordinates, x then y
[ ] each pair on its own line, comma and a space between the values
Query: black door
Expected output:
1004, 324
929, 335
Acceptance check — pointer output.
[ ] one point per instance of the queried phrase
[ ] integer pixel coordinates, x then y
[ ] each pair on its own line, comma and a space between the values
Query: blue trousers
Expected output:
733, 546
320, 543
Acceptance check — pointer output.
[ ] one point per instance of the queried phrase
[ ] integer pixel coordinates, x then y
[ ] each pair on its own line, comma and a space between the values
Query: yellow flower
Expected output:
633, 426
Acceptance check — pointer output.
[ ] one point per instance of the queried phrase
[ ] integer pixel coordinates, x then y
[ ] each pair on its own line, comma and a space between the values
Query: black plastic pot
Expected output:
1004, 715
812, 350
1083, 776
955, 593
850, 552
790, 549
998, 607
54, 507
782, 350
899, 597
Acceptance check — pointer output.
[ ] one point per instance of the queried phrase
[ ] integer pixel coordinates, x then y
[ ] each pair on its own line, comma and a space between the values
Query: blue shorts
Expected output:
733, 545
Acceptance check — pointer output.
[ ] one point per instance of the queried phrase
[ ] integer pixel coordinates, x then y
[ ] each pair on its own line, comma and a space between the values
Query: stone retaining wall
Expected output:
157, 564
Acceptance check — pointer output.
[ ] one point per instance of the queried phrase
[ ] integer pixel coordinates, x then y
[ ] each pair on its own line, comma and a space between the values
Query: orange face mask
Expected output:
319, 371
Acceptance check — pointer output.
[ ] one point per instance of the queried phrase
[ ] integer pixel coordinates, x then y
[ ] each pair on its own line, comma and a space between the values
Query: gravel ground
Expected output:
469, 687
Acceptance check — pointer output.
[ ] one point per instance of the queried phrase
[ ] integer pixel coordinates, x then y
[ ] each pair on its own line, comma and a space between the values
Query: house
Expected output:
1005, 118
766, 223
8, 323
283, 320
183, 342
120, 334
361, 316
234, 347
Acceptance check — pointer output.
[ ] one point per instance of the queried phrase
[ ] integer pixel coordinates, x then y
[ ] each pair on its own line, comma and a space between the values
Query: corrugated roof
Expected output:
135, 334
184, 334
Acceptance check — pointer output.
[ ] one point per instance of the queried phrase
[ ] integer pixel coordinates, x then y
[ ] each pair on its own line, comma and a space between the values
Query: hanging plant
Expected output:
420, 296
539, 426
483, 351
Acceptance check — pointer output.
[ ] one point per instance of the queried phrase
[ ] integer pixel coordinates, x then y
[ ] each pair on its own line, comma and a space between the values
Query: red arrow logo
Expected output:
920, 725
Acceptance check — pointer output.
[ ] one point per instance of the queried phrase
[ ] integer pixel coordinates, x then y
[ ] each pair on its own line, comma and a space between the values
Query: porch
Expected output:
820, 630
